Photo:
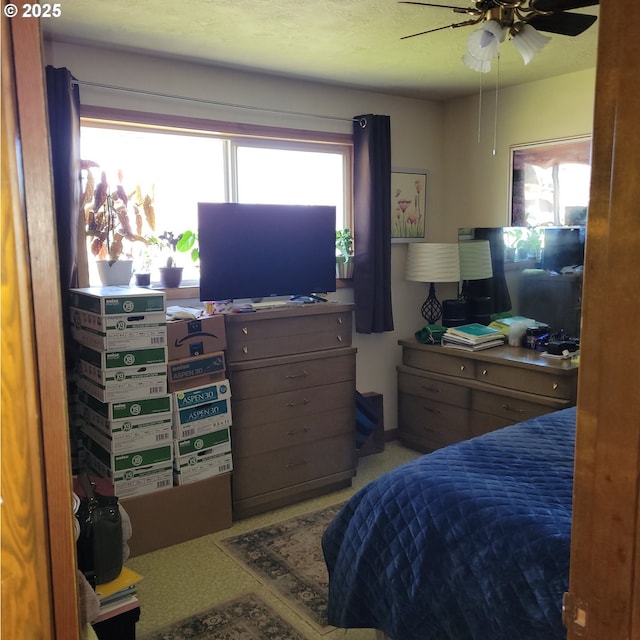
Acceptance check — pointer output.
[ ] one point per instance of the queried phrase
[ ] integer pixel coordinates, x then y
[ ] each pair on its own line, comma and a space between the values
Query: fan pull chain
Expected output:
495, 121
480, 108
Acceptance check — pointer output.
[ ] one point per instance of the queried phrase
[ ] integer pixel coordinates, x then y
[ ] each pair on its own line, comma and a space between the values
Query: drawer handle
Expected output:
245, 349
291, 403
292, 465
245, 330
554, 386
462, 367
339, 338
506, 407
293, 376
484, 372
295, 433
339, 320
432, 410
431, 388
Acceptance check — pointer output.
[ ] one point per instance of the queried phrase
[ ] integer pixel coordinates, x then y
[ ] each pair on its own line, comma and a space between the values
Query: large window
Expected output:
179, 167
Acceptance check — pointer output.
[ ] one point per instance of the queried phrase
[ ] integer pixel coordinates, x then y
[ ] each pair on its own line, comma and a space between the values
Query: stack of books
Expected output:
118, 591
472, 337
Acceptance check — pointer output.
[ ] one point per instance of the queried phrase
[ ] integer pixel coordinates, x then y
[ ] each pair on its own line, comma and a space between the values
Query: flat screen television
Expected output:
563, 247
263, 250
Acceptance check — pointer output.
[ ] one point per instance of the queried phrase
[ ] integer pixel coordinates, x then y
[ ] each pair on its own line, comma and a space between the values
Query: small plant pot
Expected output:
344, 270
116, 273
170, 277
142, 279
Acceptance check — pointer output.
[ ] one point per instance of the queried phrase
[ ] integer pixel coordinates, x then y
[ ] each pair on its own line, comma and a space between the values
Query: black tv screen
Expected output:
563, 247
261, 250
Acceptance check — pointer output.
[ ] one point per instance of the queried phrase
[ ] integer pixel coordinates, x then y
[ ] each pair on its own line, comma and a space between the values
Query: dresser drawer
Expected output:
544, 383
273, 436
267, 472
292, 372
511, 408
433, 360
429, 425
265, 338
434, 388
250, 412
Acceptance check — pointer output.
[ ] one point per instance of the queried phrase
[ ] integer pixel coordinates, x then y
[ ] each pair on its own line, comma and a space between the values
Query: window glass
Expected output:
180, 169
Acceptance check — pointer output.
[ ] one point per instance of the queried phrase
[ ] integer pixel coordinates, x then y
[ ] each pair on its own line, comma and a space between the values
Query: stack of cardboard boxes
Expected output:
122, 379
201, 398
155, 412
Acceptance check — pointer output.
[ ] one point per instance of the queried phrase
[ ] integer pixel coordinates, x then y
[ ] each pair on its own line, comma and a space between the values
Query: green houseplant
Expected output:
344, 253
171, 244
108, 224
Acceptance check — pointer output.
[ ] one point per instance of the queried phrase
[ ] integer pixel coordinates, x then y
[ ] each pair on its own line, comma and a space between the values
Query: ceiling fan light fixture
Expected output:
481, 66
484, 43
529, 42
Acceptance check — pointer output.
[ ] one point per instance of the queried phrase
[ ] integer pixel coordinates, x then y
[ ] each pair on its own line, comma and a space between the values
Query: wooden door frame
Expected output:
603, 599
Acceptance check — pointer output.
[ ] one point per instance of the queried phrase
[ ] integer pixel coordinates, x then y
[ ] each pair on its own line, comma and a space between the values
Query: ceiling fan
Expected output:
521, 20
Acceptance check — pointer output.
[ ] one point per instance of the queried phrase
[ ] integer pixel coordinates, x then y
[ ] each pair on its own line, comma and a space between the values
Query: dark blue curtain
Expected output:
63, 99
372, 223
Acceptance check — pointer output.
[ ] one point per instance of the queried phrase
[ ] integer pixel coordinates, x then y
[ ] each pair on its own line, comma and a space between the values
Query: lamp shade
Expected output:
433, 262
475, 260
528, 41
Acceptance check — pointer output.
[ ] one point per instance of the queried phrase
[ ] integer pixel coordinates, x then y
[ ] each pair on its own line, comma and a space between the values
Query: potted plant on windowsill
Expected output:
186, 242
344, 254
108, 224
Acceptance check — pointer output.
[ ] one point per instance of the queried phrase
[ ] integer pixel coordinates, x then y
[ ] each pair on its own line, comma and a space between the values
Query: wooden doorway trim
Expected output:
603, 599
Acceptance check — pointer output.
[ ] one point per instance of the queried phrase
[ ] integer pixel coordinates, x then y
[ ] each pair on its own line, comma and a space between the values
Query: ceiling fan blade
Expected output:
440, 6
448, 26
565, 24
562, 5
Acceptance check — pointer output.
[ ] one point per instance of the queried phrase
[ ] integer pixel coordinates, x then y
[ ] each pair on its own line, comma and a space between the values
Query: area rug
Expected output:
287, 559
245, 618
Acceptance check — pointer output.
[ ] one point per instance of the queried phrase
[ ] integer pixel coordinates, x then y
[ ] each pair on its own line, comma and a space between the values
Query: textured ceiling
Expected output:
351, 42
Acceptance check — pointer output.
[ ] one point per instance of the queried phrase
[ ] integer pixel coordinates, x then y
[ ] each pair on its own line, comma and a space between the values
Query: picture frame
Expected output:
408, 205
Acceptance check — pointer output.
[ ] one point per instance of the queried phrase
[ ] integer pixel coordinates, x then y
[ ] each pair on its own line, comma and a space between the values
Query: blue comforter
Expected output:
470, 542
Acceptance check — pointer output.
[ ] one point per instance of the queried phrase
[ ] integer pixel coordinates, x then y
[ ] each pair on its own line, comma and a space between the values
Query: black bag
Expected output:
100, 542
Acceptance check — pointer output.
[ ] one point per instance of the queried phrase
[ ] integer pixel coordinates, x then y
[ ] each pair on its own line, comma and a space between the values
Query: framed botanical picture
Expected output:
408, 205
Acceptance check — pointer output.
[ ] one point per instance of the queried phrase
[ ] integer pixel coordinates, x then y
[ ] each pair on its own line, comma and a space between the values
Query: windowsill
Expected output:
191, 290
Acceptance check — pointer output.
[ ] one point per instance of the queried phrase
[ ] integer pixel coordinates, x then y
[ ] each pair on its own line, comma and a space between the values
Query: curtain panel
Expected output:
63, 102
372, 223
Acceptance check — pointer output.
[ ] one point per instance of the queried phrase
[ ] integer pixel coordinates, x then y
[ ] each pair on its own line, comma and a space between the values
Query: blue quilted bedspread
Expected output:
468, 542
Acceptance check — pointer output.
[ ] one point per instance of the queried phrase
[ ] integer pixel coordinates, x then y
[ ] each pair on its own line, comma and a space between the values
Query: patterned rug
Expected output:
286, 557
245, 618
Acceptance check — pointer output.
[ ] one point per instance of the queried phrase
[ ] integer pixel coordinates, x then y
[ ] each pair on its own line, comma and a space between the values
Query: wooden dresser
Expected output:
447, 395
292, 373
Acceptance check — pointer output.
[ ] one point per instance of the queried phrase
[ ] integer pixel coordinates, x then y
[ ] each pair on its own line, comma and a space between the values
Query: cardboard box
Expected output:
201, 395
201, 419
128, 409
189, 338
118, 300
120, 436
133, 473
103, 361
178, 514
202, 466
189, 373
117, 390
151, 458
114, 333
218, 440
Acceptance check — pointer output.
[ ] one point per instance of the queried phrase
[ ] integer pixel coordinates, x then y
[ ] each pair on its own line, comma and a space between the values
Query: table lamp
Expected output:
475, 262
433, 262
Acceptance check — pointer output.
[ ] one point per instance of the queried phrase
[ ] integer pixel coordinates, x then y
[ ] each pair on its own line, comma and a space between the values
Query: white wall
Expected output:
466, 184
476, 180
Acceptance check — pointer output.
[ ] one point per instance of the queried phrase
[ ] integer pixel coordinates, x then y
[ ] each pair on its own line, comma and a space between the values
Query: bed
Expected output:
470, 542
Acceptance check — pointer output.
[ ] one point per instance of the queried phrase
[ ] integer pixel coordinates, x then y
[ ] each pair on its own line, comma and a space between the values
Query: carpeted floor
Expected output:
192, 577
287, 558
